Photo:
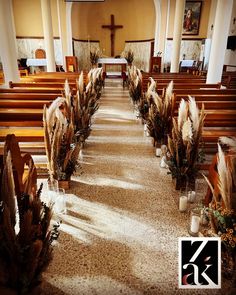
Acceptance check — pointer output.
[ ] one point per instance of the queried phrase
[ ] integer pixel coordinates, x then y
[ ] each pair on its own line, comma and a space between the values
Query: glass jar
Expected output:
183, 203
195, 221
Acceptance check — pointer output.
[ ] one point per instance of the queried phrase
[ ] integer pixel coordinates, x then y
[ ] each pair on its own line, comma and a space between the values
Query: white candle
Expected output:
145, 127
183, 202
158, 152
195, 222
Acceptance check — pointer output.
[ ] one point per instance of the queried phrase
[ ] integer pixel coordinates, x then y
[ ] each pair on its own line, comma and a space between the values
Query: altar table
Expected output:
110, 61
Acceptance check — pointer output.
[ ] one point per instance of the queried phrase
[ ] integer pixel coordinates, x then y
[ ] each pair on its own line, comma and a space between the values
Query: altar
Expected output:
40, 64
119, 64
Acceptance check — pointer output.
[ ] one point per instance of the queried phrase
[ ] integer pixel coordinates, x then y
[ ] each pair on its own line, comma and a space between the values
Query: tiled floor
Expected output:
120, 234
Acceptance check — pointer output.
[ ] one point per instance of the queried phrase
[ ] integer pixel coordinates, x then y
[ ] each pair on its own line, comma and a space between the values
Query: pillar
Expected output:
69, 28
158, 26
8, 50
219, 40
48, 35
177, 35
61, 13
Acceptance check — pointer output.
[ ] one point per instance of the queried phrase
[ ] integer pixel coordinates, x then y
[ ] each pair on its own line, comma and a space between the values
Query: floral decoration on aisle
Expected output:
135, 84
61, 149
94, 56
159, 121
86, 104
222, 208
129, 56
25, 234
184, 143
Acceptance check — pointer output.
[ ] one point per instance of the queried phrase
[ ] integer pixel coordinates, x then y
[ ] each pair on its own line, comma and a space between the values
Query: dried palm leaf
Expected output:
230, 141
8, 188
187, 133
194, 113
183, 113
225, 179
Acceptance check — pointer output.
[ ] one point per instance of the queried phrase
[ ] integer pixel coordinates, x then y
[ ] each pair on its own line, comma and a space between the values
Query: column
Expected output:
48, 35
177, 35
8, 50
219, 40
61, 13
158, 26
69, 28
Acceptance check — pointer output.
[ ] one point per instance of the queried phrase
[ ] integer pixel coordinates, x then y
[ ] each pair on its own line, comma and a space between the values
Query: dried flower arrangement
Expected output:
94, 56
61, 149
184, 142
129, 56
135, 84
146, 100
222, 208
86, 104
159, 121
25, 237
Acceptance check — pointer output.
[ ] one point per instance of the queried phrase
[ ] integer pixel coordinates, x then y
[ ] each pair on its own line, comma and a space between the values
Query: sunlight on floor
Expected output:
86, 219
112, 182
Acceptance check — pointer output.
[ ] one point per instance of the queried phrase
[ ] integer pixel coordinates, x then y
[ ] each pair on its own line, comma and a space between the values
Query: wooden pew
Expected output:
23, 134
193, 85
30, 104
29, 96
31, 90
58, 85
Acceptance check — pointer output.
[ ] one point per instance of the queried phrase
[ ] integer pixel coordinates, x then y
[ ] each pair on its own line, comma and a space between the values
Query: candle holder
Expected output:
191, 196
183, 203
60, 204
52, 190
158, 152
195, 221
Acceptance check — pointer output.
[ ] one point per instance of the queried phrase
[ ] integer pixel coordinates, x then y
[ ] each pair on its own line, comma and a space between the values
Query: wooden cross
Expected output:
112, 27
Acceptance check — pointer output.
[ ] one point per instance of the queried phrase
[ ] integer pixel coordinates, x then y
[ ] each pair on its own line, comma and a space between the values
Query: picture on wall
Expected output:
192, 15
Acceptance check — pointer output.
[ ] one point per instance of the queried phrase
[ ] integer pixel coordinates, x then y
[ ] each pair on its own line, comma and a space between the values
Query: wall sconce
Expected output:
212, 27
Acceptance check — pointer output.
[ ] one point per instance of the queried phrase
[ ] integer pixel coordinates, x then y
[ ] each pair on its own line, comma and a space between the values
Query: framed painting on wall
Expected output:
192, 14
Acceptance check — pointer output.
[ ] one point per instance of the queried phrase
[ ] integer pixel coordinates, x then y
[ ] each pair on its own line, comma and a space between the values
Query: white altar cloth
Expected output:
112, 61
38, 62
187, 63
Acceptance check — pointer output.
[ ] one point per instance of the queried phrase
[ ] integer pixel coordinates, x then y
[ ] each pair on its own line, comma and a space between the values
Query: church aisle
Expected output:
120, 234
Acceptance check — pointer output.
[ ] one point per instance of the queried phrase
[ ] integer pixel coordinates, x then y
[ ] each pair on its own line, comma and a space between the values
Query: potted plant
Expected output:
135, 84
222, 208
85, 105
25, 234
61, 149
161, 111
184, 143
129, 56
94, 56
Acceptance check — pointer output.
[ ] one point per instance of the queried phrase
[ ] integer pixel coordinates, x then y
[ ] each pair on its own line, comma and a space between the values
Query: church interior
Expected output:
117, 147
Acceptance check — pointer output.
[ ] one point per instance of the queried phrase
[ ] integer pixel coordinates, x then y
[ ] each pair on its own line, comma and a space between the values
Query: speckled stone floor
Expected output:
120, 233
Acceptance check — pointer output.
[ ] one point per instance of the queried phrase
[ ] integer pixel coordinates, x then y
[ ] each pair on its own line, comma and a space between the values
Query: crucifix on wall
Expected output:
112, 27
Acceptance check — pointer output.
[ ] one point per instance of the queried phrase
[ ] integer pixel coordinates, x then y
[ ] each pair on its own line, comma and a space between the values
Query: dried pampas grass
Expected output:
183, 113
225, 179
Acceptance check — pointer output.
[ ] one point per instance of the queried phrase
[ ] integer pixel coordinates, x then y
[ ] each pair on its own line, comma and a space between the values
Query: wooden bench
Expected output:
29, 96
161, 86
30, 90
58, 85
22, 104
